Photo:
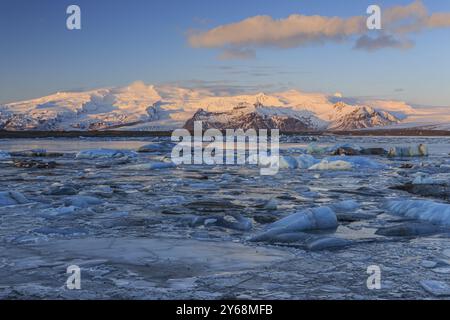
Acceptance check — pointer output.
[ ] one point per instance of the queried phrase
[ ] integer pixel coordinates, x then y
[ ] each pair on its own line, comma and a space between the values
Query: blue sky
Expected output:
124, 41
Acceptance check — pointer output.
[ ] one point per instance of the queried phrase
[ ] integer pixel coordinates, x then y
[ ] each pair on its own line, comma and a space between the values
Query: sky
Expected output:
228, 46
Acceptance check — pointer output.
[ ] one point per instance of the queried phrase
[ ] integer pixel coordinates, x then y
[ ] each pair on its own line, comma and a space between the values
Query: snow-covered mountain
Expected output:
147, 107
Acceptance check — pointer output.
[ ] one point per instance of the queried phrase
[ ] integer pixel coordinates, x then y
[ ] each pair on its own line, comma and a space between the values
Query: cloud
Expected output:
237, 53
382, 41
239, 40
265, 31
226, 87
439, 20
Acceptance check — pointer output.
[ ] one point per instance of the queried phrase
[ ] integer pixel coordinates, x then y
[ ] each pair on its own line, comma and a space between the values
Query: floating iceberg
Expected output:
306, 161
82, 201
105, 154
358, 162
420, 150
241, 223
332, 165
4, 155
315, 149
434, 212
423, 178
322, 218
288, 162
9, 198
150, 166
346, 205
284, 162
309, 219
156, 147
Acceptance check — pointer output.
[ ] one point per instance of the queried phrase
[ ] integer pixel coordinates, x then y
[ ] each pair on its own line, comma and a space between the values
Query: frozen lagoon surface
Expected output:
142, 230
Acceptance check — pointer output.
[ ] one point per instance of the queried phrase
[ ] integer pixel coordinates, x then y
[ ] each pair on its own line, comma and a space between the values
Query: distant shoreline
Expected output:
142, 134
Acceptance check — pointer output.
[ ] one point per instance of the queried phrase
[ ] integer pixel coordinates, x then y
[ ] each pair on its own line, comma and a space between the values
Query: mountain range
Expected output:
142, 107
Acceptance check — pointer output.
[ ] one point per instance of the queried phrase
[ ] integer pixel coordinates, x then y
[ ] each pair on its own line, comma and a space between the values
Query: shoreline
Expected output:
142, 134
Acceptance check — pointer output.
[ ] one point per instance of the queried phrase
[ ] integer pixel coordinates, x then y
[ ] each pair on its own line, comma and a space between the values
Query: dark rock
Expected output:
374, 151
347, 151
34, 164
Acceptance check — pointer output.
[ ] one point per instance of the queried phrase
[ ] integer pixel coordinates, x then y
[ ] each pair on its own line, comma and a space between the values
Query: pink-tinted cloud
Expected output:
240, 39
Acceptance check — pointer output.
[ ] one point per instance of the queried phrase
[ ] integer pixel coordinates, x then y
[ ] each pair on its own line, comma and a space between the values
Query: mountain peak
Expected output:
139, 106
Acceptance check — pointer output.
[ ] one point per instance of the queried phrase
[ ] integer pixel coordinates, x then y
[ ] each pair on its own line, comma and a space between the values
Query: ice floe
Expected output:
315, 149
9, 198
4, 155
423, 178
156, 147
327, 243
358, 162
287, 162
321, 218
82, 201
155, 165
434, 212
420, 150
346, 205
306, 161
240, 223
105, 154
332, 165
436, 288
309, 219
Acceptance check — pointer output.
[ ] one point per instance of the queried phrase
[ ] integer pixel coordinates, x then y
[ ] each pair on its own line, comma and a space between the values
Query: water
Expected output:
437, 145
159, 233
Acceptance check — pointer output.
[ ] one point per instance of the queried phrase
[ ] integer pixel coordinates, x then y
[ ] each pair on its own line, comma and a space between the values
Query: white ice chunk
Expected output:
420, 150
358, 162
155, 165
332, 165
291, 227
285, 162
288, 162
306, 161
105, 154
309, 219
